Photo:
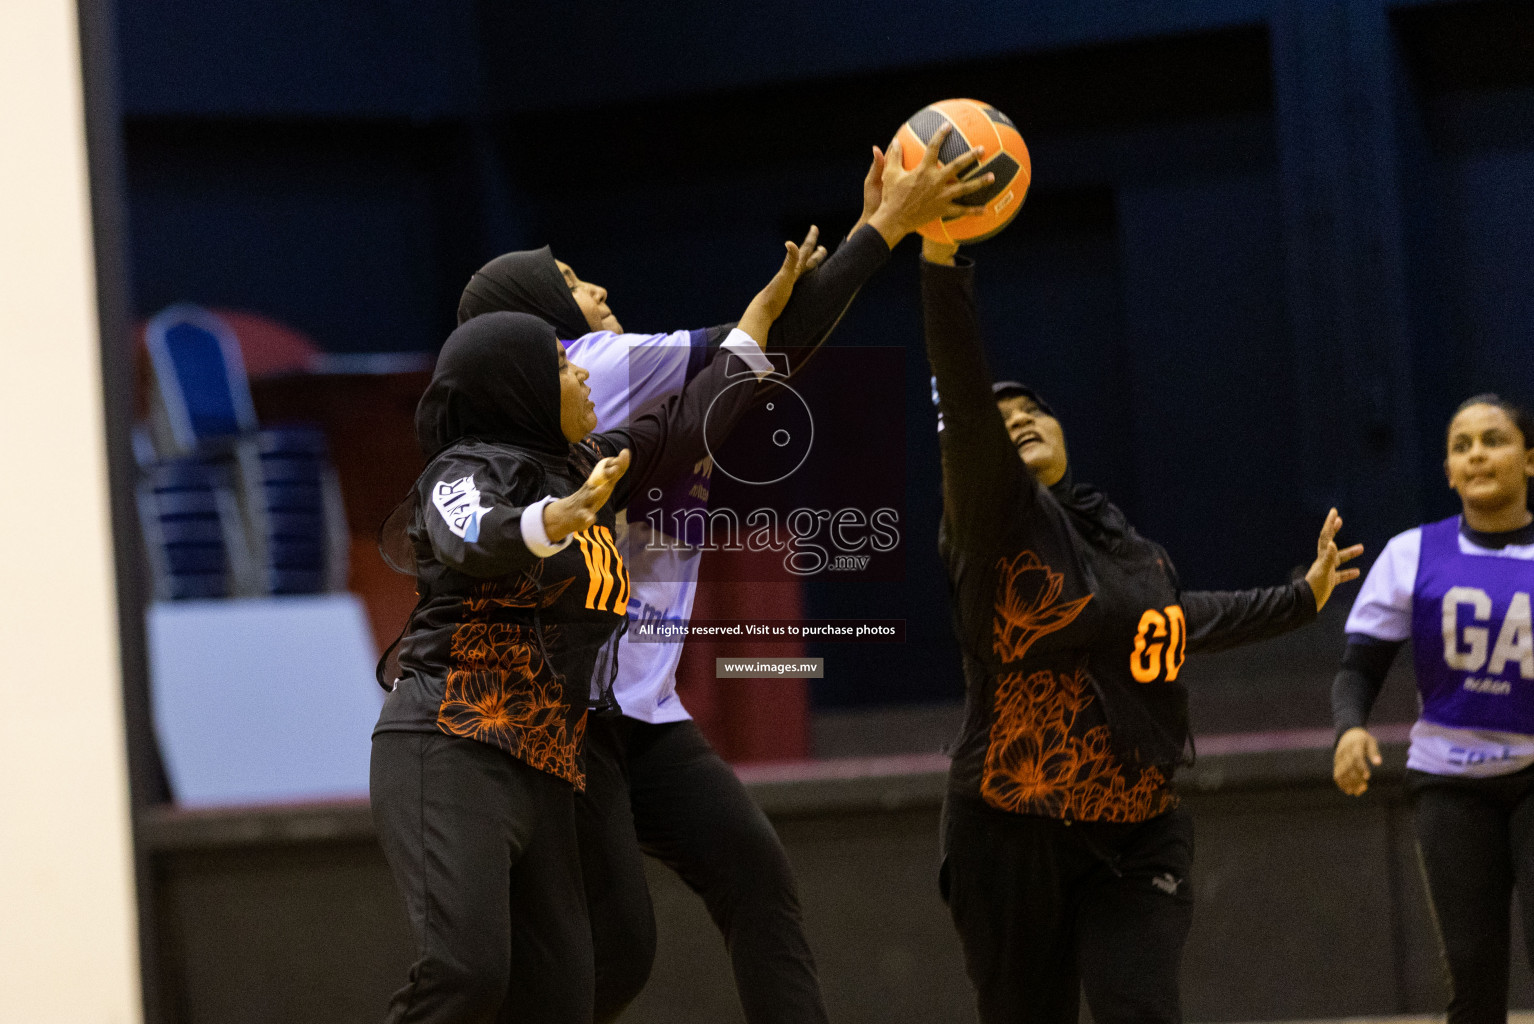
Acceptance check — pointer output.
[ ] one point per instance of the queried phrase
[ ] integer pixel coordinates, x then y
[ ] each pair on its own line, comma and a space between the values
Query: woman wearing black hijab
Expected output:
1066, 858
655, 785
523, 596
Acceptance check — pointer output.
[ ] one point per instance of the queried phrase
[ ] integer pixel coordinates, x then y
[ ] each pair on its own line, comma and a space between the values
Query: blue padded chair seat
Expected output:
184, 504
297, 553
290, 581
306, 524
184, 559
200, 586
175, 530
298, 497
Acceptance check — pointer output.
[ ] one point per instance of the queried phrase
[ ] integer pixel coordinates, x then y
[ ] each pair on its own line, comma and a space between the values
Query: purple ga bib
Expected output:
1472, 636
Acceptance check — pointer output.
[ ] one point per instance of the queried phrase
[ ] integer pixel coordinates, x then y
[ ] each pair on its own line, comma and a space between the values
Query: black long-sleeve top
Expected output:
1071, 650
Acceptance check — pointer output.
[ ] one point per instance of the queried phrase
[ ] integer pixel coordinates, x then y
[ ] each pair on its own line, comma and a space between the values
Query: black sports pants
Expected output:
662, 790
1476, 840
483, 850
1046, 909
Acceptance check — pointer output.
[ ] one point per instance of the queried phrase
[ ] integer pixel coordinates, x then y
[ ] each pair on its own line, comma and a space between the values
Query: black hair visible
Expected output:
1515, 412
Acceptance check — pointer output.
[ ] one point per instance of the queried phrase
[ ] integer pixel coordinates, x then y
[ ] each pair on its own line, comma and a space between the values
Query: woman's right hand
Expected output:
799, 260
1356, 751
578, 511
909, 199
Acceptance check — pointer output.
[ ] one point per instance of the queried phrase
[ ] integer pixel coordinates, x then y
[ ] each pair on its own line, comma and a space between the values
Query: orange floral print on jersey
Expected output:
528, 591
485, 693
529, 721
500, 691
1028, 605
1040, 760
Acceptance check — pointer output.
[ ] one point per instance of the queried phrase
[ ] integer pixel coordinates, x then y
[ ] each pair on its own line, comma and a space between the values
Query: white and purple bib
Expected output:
1474, 641
1466, 609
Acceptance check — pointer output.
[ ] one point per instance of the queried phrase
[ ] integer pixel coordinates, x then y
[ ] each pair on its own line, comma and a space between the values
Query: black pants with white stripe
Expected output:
1476, 840
661, 790
1048, 909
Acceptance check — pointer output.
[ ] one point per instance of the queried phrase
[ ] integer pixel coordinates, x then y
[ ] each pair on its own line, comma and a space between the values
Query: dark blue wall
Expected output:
342, 230
1270, 244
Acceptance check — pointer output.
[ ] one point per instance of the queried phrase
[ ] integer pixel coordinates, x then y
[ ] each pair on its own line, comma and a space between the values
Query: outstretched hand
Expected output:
873, 190
1324, 575
931, 191
798, 260
578, 511
1357, 750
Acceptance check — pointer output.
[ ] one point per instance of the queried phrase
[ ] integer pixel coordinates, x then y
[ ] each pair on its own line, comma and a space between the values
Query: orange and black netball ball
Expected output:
974, 124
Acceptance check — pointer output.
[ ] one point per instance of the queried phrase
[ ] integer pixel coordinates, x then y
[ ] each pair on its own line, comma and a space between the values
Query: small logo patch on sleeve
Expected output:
458, 502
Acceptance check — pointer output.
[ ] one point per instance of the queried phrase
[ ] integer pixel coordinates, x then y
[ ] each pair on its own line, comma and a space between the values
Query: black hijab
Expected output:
497, 379
524, 282
1096, 518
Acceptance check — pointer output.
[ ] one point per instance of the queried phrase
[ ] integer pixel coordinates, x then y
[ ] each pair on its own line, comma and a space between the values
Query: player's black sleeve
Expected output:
668, 436
471, 516
985, 484
716, 336
820, 298
1221, 619
1365, 664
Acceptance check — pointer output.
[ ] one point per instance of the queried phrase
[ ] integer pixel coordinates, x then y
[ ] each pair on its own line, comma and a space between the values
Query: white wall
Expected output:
67, 914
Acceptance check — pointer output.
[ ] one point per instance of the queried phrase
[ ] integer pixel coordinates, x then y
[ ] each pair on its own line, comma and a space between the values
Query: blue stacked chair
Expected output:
191, 526
289, 497
202, 397
293, 510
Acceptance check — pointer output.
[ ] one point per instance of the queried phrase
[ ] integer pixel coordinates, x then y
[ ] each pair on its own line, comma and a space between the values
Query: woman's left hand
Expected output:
816, 259
1324, 575
873, 191
769, 302
578, 511
798, 260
